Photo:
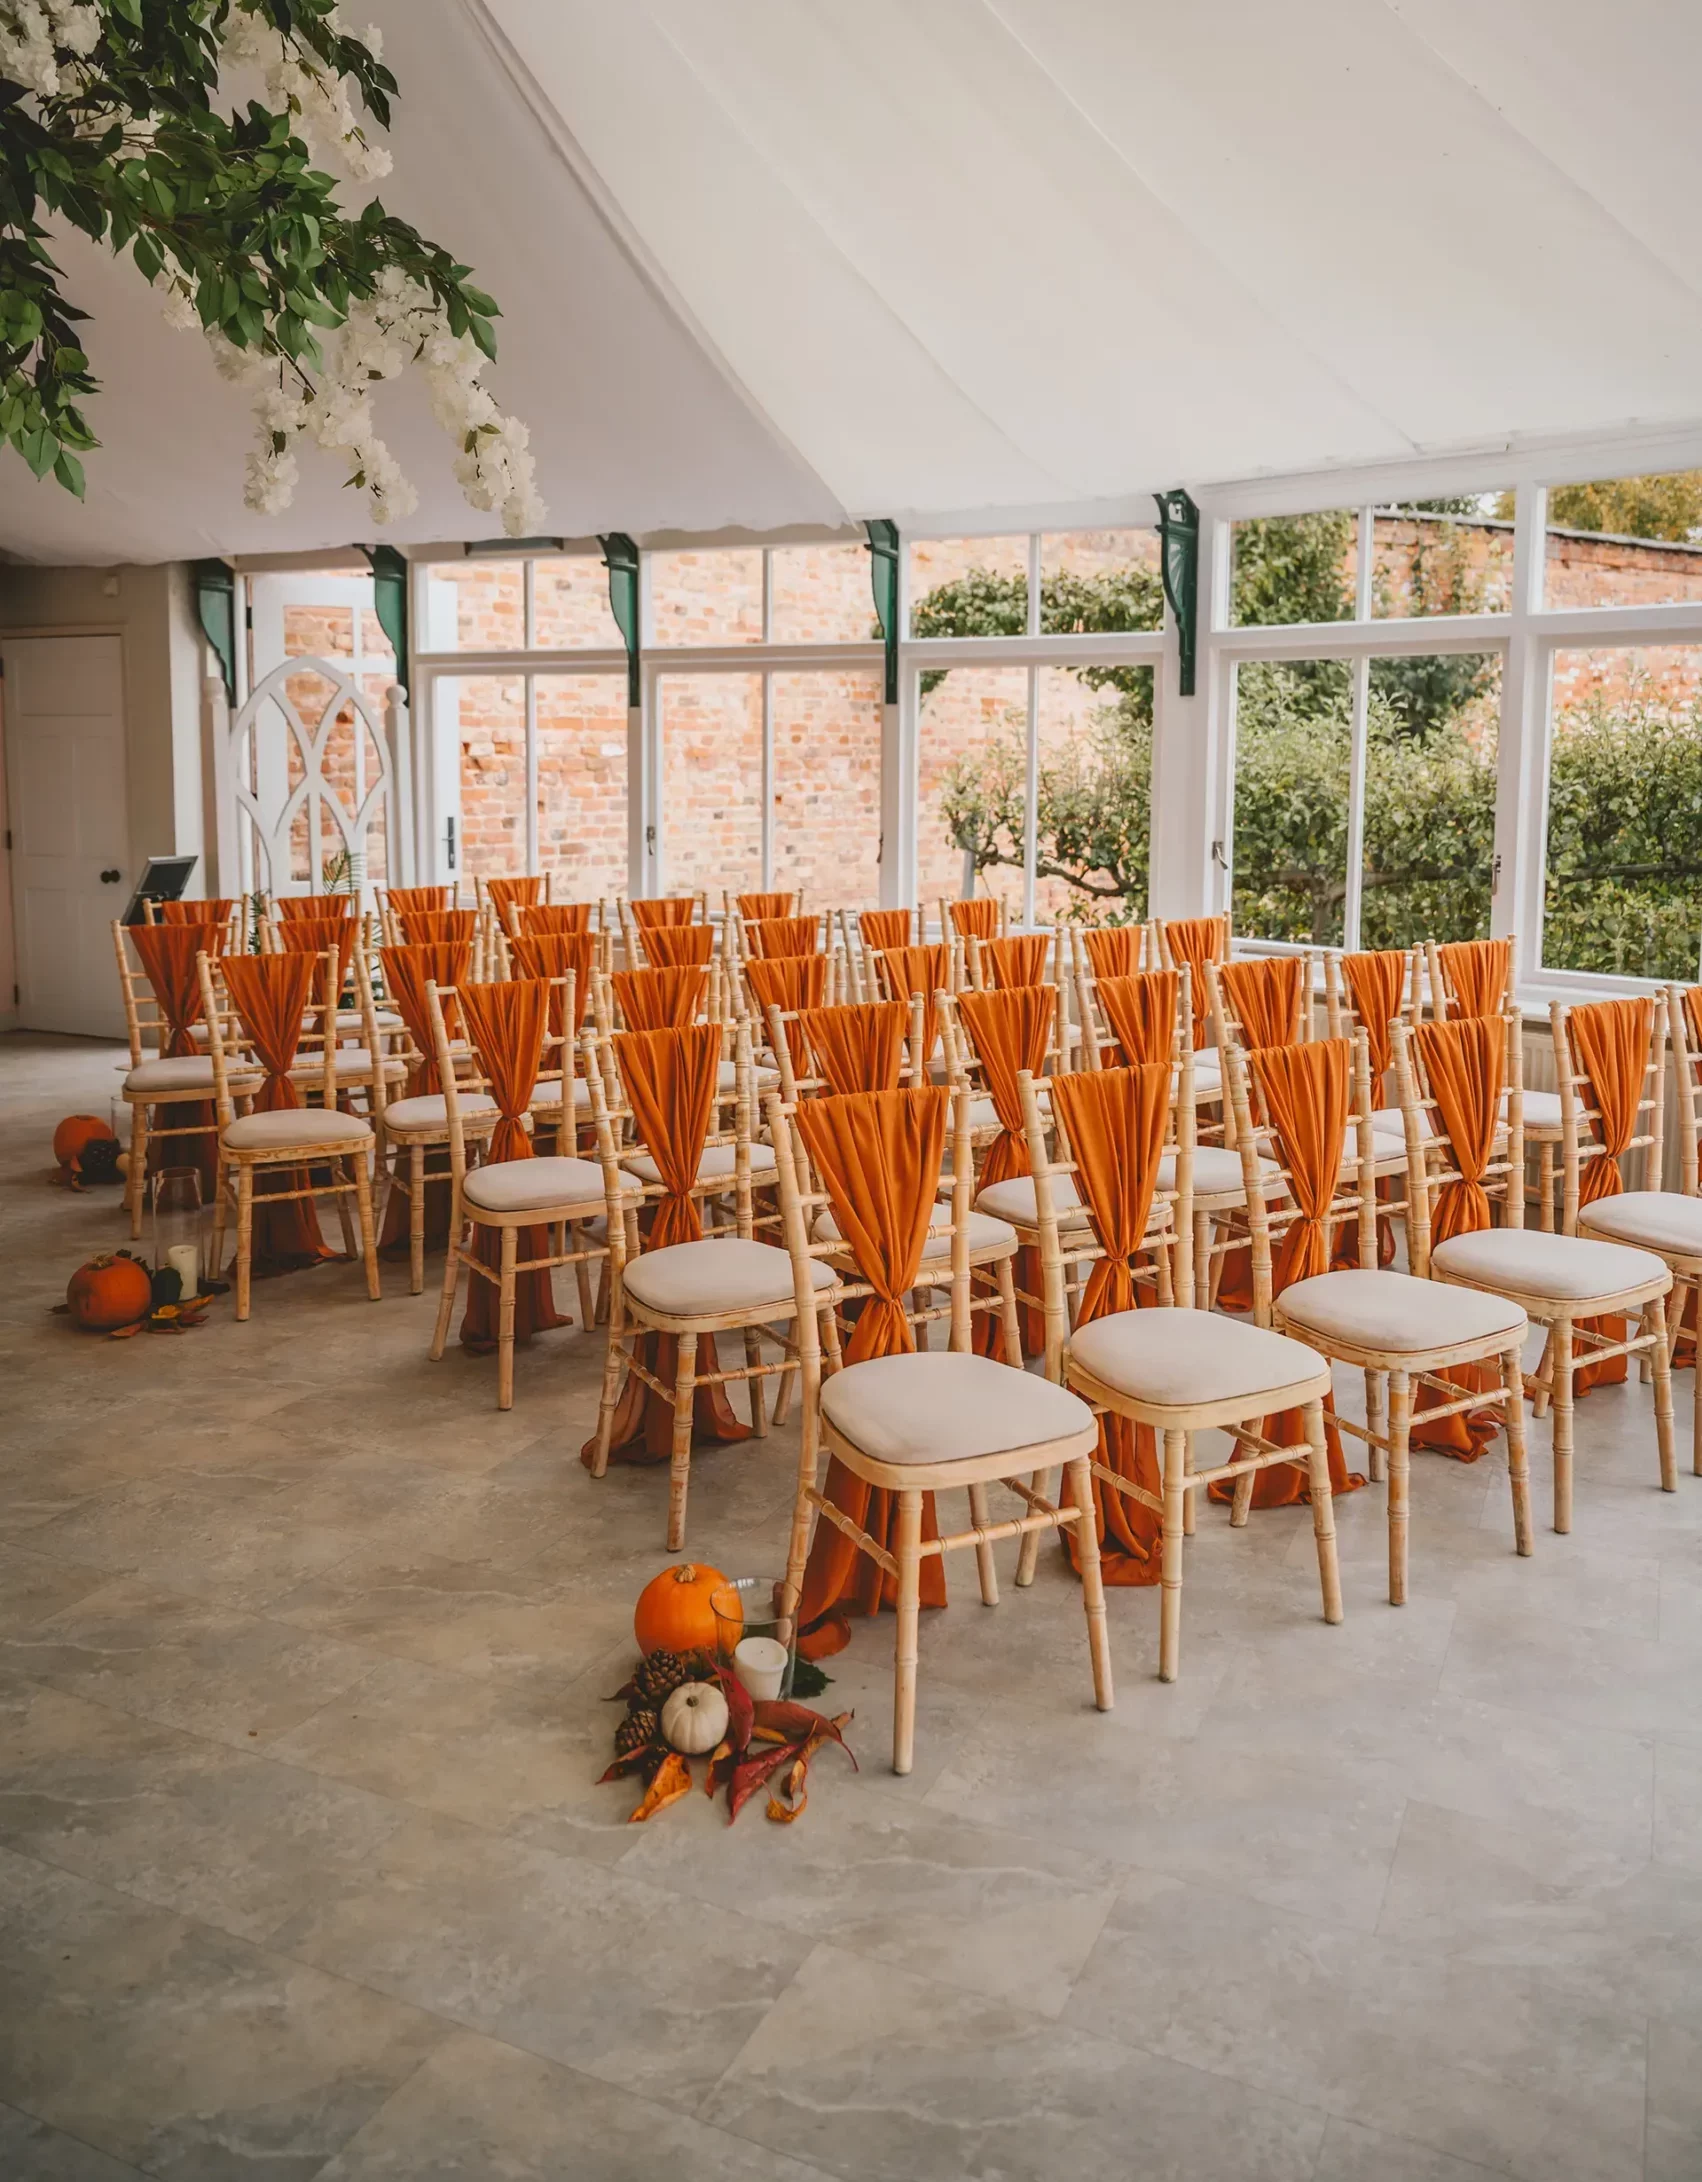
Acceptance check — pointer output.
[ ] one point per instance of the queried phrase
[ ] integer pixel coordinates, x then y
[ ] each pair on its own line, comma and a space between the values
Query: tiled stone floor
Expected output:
303, 1871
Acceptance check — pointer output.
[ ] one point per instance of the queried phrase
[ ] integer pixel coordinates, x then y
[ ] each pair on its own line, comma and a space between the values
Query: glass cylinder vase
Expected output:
179, 1224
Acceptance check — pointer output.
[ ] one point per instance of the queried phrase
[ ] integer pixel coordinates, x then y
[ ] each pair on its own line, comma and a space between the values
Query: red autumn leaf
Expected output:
673, 1780
739, 1712
753, 1773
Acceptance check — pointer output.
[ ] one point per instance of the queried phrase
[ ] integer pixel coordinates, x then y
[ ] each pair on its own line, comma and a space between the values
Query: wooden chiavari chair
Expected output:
981, 917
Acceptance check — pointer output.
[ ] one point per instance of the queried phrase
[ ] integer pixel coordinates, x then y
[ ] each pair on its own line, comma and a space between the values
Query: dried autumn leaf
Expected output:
753, 1774
718, 1757
798, 1723
740, 1712
791, 1798
673, 1780
125, 1333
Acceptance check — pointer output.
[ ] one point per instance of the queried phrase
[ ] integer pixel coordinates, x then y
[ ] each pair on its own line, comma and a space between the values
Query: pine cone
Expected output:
660, 1675
640, 1726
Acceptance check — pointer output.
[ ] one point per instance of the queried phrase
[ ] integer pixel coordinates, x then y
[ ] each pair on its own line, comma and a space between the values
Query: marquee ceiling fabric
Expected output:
975, 264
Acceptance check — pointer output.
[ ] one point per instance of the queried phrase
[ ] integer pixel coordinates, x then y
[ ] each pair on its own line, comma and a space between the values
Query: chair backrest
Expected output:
848, 1034
614, 1114
1431, 1058
1313, 1099
1266, 1001
468, 1069
676, 946
1371, 991
967, 1019
1470, 977
982, 915
1113, 950
1684, 1025
1610, 1055
1131, 1014
289, 982
145, 1015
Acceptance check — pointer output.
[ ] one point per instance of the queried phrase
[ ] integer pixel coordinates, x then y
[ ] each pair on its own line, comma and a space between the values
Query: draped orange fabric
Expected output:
317, 936
1019, 961
270, 994
758, 906
550, 955
656, 909
1684, 1354
660, 999
407, 972
1610, 1045
506, 1024
678, 946
1305, 1090
167, 954
1140, 1013
1693, 1018
1114, 950
402, 898
291, 906
1475, 973
980, 916
534, 917
927, 970
1265, 998
506, 896
884, 928
669, 1077
1375, 983
858, 1048
878, 1154
790, 983
1465, 1065
215, 909
1009, 1031
1193, 942
784, 936
422, 927
1114, 1120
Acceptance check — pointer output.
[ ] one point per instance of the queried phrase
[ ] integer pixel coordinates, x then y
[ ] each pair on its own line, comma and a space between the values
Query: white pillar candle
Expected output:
761, 1664
185, 1261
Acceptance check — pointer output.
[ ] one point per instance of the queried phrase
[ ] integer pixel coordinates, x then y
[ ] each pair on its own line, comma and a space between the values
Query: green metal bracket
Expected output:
620, 558
215, 609
390, 601
1179, 559
883, 577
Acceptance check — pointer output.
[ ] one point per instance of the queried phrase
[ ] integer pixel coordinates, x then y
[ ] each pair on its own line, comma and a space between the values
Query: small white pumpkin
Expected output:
694, 1719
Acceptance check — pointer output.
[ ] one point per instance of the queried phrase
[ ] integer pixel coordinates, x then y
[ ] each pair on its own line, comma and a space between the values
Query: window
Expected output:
821, 594
969, 587
1093, 793
1294, 568
1293, 758
827, 786
1100, 580
1429, 827
582, 809
488, 600
570, 605
705, 598
1443, 557
712, 780
489, 716
972, 767
1627, 541
1623, 874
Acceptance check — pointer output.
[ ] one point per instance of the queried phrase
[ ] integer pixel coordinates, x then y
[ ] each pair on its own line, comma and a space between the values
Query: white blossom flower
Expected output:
178, 310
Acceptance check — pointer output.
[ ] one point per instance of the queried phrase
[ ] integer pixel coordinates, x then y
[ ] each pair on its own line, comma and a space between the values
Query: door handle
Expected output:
110, 878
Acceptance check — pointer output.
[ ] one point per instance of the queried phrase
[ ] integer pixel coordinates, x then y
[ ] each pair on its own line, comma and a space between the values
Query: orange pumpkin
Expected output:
73, 1134
674, 1612
110, 1292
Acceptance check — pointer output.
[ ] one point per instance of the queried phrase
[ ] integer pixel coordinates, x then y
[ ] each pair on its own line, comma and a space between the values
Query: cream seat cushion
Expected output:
1217, 1173
351, 1019
307, 1125
547, 1098
1648, 1219
348, 1061
1542, 1111
1394, 1311
1177, 1359
727, 1078
1564, 1268
187, 1072
1208, 1067
1014, 1200
716, 1164
985, 1233
720, 1273
404, 1116
1389, 1121
534, 1185
936, 1407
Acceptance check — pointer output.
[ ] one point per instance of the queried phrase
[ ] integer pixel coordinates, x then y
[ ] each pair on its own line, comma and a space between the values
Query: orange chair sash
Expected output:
1266, 997
407, 972
1018, 961
791, 983
539, 917
1010, 1031
1375, 983
678, 946
215, 909
423, 927
858, 1048
1140, 1013
271, 994
506, 1024
884, 928
980, 917
924, 970
660, 999
1476, 973
167, 954
1610, 1045
759, 907
1114, 950
291, 906
1465, 1063
402, 898
551, 955
655, 909
1193, 942
784, 936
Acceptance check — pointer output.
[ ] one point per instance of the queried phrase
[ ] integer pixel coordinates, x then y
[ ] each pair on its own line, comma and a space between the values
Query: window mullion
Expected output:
1355, 876
1031, 800
531, 773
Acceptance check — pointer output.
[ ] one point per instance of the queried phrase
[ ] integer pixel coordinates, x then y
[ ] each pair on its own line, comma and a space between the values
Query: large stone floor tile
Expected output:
32, 2152
1353, 2153
1592, 1677
33, 1587
1675, 2102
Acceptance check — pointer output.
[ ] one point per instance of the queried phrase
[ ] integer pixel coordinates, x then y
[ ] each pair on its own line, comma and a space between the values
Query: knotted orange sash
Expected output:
1375, 983
656, 909
791, 983
878, 1154
660, 999
924, 970
508, 895
317, 936
1193, 942
215, 909
1114, 1120
424, 927
678, 946
1019, 961
1610, 1044
538, 917
404, 898
407, 971
784, 936
883, 929
1265, 998
1305, 1093
1140, 1013
980, 917
1465, 1065
1114, 950
758, 907
857, 1048
1010, 1031
270, 994
291, 906
669, 1077
1475, 972
167, 954
553, 955
506, 1024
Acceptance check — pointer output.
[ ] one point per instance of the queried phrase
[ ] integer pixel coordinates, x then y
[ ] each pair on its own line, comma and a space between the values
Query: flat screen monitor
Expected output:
163, 881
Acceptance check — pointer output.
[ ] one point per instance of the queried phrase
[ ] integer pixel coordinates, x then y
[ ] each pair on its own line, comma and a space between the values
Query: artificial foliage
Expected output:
183, 134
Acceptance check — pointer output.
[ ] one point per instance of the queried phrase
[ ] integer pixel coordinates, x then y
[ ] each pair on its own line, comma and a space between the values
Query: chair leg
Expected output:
221, 1206
679, 1473
1545, 1187
759, 1406
1545, 1375
582, 1279
1008, 1318
505, 1320
614, 1355
368, 1233
1376, 1420
1190, 1498
798, 1543
1241, 1505
1655, 1322
1400, 1482
136, 1181
1560, 1381
1028, 1553
984, 1563
344, 1219
1323, 1512
244, 1237
416, 1218
451, 1276
1092, 1581
1518, 1459
908, 1541
1170, 1597
1202, 1261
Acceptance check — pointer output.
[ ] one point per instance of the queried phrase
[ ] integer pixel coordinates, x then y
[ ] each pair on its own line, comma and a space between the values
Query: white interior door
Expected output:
68, 807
